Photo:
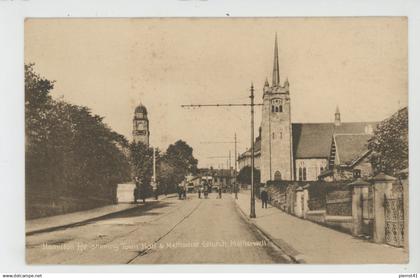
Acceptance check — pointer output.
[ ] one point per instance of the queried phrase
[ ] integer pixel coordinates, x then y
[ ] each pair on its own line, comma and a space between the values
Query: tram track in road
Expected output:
146, 250
140, 225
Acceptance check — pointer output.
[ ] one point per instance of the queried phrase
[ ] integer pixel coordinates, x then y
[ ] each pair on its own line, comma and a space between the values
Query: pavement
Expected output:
166, 231
62, 221
307, 242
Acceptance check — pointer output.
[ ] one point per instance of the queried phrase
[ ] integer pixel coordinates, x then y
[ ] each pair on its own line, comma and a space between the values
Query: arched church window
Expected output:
277, 176
300, 173
277, 109
281, 108
304, 173
272, 108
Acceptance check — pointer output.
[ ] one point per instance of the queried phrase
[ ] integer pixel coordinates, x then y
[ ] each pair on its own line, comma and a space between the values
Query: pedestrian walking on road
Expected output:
135, 193
206, 192
264, 197
220, 192
179, 192
199, 193
184, 193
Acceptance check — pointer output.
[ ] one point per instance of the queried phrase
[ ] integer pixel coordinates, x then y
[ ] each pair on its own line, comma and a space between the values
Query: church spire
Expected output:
276, 73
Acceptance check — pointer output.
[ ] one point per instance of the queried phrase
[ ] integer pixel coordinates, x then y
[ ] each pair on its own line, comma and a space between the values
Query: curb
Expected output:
85, 221
291, 254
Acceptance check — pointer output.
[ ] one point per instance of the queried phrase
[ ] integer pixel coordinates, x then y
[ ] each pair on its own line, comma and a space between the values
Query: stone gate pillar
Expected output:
382, 186
305, 194
403, 175
358, 186
299, 202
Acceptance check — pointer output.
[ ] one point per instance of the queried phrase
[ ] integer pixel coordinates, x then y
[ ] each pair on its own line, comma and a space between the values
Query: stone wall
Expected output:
41, 204
376, 209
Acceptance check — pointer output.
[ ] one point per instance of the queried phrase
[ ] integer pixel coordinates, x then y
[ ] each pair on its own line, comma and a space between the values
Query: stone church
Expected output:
305, 151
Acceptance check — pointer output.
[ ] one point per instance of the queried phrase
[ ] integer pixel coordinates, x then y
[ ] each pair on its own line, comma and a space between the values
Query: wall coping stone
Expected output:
382, 177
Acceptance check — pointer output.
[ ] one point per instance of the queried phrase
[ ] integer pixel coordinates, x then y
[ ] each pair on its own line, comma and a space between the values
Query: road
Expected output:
169, 231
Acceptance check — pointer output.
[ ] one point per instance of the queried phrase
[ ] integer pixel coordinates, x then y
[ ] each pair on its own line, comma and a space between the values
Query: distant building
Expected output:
302, 151
141, 131
244, 159
214, 177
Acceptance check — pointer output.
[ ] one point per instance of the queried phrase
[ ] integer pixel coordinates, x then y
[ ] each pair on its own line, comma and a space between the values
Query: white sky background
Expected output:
110, 65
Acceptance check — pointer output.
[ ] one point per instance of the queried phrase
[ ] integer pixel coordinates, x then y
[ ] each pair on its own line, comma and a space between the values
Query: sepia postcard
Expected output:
216, 140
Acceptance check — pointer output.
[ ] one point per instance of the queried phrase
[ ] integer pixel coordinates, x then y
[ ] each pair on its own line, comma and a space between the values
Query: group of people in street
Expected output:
203, 189
182, 192
140, 191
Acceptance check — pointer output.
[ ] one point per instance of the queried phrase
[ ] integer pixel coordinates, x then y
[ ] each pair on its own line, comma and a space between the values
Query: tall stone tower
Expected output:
276, 128
141, 125
337, 117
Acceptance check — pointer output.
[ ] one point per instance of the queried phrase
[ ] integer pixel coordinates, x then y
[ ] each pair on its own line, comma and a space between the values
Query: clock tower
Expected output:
141, 125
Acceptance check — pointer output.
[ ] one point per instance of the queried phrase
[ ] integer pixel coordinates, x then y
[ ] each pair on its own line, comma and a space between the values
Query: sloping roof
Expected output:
257, 149
222, 172
350, 147
215, 172
313, 140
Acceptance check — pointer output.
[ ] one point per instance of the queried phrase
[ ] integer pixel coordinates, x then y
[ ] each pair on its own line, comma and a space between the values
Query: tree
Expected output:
167, 177
141, 157
244, 175
69, 151
181, 155
37, 88
177, 162
389, 144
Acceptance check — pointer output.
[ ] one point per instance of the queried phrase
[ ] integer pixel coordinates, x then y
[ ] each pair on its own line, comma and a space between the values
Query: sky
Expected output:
111, 65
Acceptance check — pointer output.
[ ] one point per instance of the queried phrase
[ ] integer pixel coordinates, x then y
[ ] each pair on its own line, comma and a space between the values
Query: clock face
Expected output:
276, 101
141, 125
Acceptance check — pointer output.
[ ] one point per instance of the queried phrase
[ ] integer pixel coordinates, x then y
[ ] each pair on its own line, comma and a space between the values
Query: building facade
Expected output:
303, 151
141, 131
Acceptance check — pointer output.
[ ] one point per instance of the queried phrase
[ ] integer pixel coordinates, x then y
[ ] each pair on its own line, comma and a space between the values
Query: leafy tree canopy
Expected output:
389, 144
69, 151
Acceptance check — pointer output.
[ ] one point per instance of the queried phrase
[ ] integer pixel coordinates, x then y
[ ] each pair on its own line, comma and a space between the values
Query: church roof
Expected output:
313, 140
350, 147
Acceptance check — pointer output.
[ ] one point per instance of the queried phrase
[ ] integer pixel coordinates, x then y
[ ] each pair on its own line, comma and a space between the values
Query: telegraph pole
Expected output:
252, 104
236, 173
252, 212
154, 180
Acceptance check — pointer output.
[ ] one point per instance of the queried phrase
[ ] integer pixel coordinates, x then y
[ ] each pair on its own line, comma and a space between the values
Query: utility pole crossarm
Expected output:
219, 105
252, 105
218, 142
217, 156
